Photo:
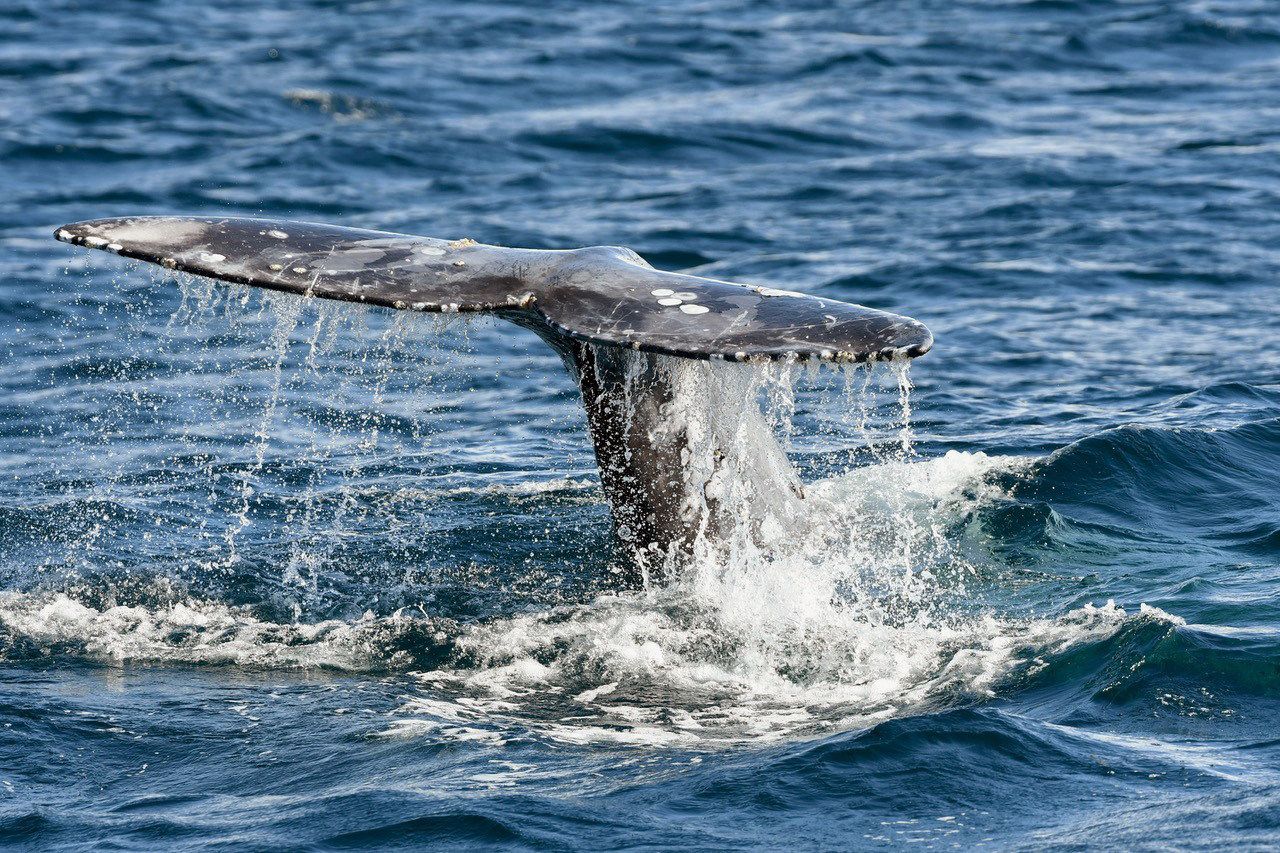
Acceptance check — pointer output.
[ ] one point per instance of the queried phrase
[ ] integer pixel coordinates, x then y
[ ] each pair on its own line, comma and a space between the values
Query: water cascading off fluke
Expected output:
685, 457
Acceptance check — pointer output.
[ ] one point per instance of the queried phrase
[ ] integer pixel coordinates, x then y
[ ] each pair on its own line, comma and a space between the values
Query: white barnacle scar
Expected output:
668, 298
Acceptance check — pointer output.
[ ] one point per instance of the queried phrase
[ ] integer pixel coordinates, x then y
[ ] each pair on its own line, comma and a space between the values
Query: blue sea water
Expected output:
284, 576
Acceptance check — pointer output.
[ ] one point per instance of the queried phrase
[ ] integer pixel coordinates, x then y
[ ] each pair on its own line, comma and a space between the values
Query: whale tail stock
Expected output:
610, 316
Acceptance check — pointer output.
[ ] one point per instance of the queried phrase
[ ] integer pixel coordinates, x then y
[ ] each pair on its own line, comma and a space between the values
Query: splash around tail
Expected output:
686, 459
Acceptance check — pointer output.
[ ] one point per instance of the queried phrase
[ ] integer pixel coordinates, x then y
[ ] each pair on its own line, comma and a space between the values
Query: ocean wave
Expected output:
1212, 483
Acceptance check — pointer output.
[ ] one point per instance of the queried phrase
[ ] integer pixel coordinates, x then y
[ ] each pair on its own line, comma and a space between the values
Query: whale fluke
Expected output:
670, 446
600, 295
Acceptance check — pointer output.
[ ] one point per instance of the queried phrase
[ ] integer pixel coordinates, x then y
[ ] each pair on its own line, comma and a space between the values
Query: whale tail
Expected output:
609, 315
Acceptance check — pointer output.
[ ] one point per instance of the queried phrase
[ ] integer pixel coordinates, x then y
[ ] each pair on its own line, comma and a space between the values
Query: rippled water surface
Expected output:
291, 576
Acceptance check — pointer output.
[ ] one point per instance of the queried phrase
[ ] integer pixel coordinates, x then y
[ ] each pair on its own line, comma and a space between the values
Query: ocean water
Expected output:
280, 575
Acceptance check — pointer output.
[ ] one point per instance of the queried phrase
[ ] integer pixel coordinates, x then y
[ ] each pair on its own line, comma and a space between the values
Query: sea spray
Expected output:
831, 610
311, 450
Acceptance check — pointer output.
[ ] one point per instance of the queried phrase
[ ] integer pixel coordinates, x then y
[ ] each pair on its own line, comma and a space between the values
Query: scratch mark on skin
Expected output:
734, 322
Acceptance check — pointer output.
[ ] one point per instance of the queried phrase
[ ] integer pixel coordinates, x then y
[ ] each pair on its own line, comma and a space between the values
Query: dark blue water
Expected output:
298, 577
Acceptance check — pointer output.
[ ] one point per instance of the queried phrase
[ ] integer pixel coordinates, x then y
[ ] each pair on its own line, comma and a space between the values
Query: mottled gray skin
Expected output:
592, 305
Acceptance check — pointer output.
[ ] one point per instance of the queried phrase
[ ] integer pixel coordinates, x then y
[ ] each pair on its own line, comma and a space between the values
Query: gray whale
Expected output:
621, 327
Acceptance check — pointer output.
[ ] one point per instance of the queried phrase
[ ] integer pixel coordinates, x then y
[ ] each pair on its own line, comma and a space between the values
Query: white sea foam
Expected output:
186, 631
677, 693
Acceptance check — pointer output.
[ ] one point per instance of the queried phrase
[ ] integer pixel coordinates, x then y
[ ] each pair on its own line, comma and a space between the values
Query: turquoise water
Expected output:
289, 576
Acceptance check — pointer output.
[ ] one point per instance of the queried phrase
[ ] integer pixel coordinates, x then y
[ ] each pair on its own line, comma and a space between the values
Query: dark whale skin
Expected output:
601, 294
